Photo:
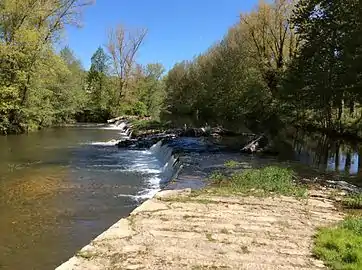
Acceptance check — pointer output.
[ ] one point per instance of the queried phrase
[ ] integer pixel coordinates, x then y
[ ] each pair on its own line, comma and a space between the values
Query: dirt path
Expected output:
208, 232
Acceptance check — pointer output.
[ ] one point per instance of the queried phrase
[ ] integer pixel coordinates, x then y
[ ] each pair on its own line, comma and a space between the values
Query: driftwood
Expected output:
256, 145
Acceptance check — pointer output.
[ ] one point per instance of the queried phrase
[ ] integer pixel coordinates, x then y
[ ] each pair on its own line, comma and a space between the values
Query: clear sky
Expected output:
177, 29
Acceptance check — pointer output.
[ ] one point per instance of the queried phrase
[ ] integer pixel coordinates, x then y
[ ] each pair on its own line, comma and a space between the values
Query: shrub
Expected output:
139, 109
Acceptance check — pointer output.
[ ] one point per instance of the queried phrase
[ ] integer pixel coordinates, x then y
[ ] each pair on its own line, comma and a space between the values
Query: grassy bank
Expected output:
271, 180
141, 126
340, 247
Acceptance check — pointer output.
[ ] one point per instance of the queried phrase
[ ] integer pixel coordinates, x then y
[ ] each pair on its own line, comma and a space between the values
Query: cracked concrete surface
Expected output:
177, 231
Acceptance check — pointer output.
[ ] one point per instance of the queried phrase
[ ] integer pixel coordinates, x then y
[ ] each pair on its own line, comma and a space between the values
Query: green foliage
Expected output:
147, 124
98, 84
138, 108
38, 87
217, 177
236, 80
341, 246
231, 164
265, 181
321, 85
285, 63
148, 89
353, 201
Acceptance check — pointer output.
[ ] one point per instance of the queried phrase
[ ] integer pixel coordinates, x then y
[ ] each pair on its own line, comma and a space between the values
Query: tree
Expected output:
271, 38
326, 74
123, 46
27, 34
97, 79
152, 88
69, 96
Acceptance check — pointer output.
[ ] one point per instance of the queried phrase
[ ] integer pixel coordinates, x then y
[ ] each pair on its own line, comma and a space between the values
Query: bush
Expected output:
340, 247
217, 178
139, 109
147, 124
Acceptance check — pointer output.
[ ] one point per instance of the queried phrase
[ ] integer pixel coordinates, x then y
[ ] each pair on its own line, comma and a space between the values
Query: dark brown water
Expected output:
329, 154
58, 191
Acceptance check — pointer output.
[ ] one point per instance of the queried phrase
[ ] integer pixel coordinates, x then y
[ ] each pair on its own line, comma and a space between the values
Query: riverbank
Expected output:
179, 230
216, 228
261, 219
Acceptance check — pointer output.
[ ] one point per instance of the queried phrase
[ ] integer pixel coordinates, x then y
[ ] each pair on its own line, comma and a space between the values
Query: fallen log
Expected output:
256, 145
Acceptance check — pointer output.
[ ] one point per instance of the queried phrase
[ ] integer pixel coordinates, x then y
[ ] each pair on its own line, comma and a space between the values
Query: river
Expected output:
59, 188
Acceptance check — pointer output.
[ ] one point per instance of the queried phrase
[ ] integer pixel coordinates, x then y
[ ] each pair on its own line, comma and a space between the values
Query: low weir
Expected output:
169, 153
168, 168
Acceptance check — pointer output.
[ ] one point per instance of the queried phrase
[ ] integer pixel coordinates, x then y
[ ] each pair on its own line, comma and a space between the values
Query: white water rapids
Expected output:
157, 163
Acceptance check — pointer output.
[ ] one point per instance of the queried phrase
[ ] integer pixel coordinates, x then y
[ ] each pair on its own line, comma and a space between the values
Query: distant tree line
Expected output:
41, 87
284, 63
287, 62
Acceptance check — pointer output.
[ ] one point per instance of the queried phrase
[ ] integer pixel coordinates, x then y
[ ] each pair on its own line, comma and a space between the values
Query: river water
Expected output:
59, 188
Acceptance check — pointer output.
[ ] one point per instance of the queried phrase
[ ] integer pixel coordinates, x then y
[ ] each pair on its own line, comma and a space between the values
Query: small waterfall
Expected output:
126, 133
156, 147
164, 154
121, 125
109, 143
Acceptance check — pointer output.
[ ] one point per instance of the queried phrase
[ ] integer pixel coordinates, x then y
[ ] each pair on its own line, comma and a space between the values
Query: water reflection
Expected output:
328, 154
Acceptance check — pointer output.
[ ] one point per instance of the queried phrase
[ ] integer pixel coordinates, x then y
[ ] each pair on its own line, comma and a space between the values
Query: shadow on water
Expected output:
333, 155
336, 156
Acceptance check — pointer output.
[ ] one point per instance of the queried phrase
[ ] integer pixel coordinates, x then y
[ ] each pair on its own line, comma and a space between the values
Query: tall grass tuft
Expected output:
265, 181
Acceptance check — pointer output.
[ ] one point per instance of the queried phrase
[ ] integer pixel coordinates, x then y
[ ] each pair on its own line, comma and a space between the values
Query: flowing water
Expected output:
59, 188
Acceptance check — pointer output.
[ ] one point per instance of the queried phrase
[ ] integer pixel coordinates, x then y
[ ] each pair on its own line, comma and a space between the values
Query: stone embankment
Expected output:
178, 230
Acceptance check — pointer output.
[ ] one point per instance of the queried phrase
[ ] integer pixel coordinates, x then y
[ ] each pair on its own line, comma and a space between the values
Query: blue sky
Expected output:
177, 29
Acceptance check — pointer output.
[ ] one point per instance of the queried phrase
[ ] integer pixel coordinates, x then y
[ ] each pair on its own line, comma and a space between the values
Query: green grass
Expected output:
217, 177
231, 164
145, 124
353, 201
265, 181
340, 247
